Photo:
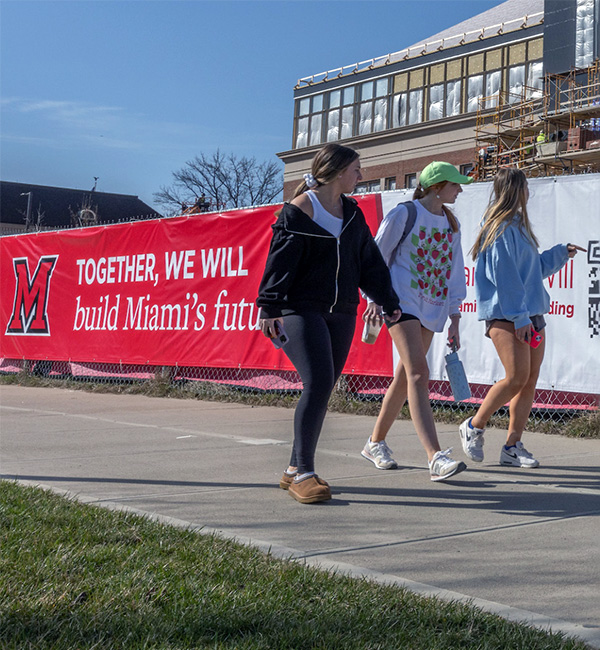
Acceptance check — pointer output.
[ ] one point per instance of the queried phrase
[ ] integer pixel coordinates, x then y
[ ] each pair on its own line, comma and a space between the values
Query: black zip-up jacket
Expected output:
309, 269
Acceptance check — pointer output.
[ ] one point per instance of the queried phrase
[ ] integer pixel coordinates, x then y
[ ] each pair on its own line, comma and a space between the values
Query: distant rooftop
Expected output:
509, 16
57, 204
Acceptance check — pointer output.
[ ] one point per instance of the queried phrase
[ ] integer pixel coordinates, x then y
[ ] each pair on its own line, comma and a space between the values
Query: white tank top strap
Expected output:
325, 219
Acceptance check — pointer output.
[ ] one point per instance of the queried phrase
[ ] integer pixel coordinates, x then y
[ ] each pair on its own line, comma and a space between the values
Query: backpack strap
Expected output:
410, 222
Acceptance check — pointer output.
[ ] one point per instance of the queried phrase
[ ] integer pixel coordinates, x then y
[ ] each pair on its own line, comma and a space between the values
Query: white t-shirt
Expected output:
428, 272
330, 222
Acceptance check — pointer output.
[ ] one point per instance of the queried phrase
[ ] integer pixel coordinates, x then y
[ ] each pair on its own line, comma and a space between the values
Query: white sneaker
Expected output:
517, 456
472, 440
379, 454
442, 466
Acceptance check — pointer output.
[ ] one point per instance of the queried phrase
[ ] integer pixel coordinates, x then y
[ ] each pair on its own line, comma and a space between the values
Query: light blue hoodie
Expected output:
509, 277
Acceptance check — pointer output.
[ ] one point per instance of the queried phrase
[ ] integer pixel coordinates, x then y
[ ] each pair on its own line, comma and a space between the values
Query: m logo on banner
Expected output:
29, 315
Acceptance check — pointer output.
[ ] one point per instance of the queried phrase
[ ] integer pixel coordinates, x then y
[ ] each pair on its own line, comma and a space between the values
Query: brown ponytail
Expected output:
329, 162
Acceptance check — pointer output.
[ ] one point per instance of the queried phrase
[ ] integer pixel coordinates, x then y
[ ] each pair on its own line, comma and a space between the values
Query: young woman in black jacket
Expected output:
321, 252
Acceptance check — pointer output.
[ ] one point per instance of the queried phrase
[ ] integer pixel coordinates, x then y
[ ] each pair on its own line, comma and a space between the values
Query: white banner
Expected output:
563, 209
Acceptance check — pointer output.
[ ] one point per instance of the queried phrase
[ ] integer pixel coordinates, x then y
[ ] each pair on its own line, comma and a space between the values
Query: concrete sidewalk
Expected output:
521, 543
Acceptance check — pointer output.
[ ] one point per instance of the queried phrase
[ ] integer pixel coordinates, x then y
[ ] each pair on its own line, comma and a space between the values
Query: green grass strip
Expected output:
75, 577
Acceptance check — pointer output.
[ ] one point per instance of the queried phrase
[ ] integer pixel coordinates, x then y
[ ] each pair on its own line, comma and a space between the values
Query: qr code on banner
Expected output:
594, 290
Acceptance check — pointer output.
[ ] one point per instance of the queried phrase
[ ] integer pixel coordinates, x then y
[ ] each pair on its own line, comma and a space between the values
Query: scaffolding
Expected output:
549, 132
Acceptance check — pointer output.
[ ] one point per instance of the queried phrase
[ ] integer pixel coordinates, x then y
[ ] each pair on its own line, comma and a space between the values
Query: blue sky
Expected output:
129, 91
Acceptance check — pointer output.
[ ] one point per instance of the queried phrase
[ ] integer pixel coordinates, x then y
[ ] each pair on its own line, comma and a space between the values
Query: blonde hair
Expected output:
509, 200
421, 191
329, 162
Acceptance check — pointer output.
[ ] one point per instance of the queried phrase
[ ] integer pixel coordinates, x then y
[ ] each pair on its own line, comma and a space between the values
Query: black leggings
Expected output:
318, 347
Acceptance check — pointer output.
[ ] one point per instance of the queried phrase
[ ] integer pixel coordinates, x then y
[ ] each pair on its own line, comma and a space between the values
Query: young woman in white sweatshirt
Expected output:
427, 272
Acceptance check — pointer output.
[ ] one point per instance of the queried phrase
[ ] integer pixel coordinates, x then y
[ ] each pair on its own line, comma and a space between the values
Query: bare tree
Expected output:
36, 222
222, 182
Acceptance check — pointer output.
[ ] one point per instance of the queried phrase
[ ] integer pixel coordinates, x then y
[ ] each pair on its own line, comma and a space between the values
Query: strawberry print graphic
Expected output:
431, 266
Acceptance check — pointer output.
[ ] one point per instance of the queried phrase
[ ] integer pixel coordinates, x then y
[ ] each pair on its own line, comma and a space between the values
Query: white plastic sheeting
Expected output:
474, 92
415, 106
453, 90
366, 118
347, 122
562, 209
535, 80
584, 33
315, 129
399, 110
380, 117
516, 84
444, 100
493, 81
436, 102
302, 132
333, 125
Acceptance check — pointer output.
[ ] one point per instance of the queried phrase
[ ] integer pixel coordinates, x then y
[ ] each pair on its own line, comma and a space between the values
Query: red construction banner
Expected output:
177, 291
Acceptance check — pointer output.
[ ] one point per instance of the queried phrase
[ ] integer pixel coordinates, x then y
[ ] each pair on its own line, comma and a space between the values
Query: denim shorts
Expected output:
539, 322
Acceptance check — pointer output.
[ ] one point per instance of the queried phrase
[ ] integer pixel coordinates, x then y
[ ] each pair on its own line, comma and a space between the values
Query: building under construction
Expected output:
517, 84
553, 132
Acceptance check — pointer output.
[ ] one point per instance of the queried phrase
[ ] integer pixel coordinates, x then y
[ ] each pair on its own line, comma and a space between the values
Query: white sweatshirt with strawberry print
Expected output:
428, 269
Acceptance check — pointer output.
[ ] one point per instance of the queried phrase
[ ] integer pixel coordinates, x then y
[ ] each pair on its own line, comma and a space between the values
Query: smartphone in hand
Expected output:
535, 338
282, 338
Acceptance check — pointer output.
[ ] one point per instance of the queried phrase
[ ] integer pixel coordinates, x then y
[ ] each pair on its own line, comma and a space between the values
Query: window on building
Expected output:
333, 115
365, 119
474, 92
516, 84
303, 108
436, 102
368, 186
373, 107
316, 123
432, 92
410, 181
380, 105
316, 120
535, 80
493, 81
399, 115
390, 183
310, 120
467, 169
347, 112
445, 100
415, 106
453, 98
407, 101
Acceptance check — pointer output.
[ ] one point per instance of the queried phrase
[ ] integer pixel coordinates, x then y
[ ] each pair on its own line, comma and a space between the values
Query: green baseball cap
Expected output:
438, 172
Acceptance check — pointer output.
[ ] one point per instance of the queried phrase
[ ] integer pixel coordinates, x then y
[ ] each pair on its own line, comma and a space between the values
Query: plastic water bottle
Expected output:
456, 376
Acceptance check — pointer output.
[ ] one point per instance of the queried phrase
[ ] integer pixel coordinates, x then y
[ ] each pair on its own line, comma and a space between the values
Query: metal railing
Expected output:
426, 48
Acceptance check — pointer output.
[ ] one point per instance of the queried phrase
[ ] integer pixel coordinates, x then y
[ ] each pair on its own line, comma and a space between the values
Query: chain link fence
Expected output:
353, 393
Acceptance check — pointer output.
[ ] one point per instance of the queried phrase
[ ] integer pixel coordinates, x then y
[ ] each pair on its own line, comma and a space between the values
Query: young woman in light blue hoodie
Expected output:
512, 300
